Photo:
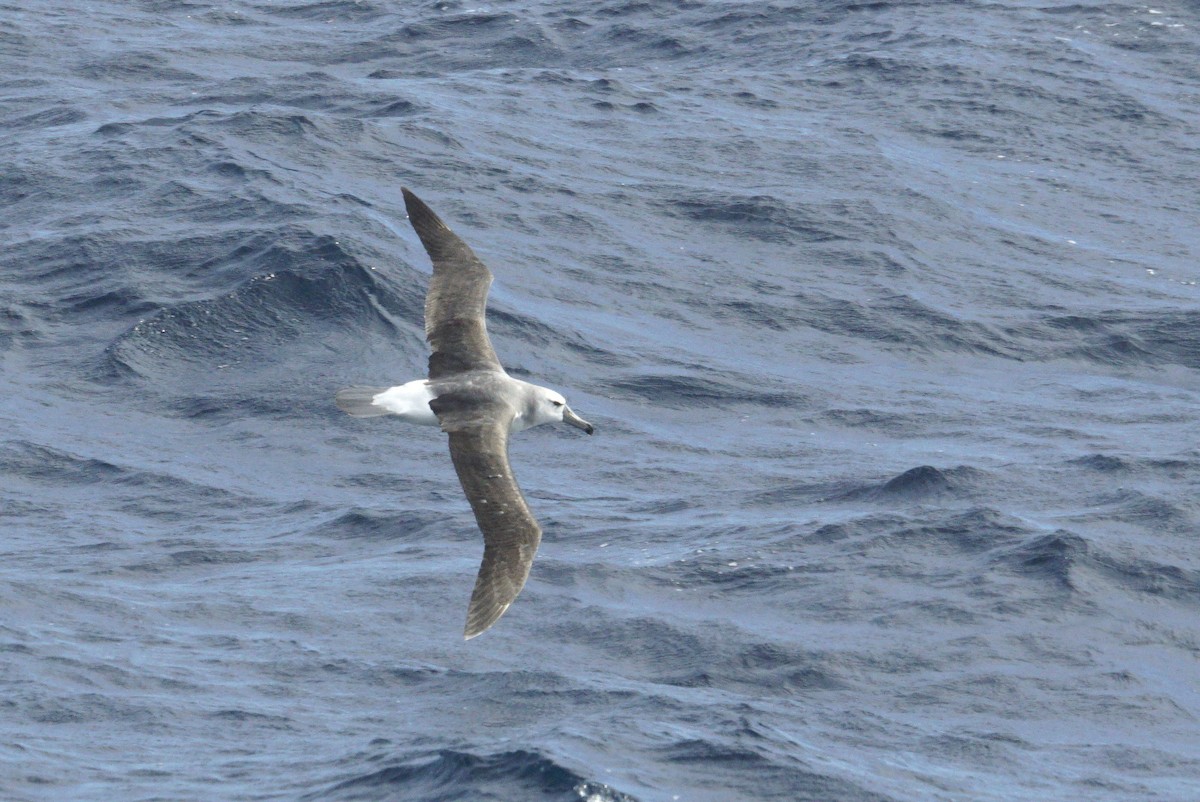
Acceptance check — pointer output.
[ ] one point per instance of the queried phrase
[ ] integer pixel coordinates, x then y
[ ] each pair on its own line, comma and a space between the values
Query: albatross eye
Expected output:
557, 403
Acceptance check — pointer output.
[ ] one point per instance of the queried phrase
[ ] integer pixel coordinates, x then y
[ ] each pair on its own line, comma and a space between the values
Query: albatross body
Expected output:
478, 405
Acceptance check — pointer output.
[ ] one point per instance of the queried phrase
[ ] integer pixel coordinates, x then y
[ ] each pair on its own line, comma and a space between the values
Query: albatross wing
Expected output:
510, 532
456, 303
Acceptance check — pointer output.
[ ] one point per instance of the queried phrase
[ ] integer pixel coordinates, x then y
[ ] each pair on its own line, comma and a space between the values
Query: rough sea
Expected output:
886, 314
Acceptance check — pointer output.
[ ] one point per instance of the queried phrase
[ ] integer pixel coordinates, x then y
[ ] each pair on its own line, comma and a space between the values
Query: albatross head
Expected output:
550, 407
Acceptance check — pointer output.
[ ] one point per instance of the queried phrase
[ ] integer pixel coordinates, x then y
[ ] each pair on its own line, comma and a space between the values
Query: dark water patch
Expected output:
17, 45
516, 682
356, 11
314, 285
373, 525
384, 675
219, 17
202, 205
762, 217
650, 642
93, 708
16, 324
908, 542
236, 716
649, 42
499, 777
114, 129
927, 483
920, 485
893, 322
463, 41
921, 482
849, 531
1154, 511
712, 656
761, 668
872, 419
1139, 507
1074, 564
68, 283
899, 320
761, 575
976, 531
101, 546
384, 107
753, 100
746, 773
135, 67
971, 748
1162, 337
226, 399
1051, 558
81, 269
33, 462
115, 303
663, 507
690, 391
544, 343
799, 494
601, 86
169, 498
313, 90
761, 315
696, 750
52, 117
1103, 463
21, 183
201, 117
203, 557
1169, 467
269, 126
1155, 579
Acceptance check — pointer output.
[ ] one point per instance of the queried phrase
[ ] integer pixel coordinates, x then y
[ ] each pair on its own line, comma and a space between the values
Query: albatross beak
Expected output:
573, 419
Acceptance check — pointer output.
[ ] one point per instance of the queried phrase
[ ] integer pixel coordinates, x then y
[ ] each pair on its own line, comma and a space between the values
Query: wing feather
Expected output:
456, 304
510, 532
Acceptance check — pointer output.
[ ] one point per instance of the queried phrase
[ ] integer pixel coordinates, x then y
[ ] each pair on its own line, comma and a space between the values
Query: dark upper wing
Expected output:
510, 533
456, 303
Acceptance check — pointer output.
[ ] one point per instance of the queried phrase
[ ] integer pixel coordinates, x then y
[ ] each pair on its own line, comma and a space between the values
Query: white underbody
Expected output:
409, 401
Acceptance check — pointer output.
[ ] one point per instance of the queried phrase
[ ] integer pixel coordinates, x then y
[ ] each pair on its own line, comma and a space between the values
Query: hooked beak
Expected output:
573, 419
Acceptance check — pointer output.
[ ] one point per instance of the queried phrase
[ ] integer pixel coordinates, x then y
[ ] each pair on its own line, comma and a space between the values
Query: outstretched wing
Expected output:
510, 533
456, 304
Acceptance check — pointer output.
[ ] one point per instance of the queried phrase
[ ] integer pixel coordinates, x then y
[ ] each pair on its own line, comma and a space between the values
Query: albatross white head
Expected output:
543, 405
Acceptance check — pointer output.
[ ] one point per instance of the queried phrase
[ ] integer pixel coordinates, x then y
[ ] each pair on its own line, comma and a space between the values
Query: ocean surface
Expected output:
886, 314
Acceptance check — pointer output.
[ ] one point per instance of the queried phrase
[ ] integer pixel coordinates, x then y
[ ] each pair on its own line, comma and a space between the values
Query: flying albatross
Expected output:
478, 405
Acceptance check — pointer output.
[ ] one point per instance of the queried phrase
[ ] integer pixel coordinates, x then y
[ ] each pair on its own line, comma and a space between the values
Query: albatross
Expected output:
469, 394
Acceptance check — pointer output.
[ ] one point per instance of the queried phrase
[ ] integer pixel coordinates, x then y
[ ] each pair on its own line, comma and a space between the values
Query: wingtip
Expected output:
410, 200
480, 619
415, 207
435, 234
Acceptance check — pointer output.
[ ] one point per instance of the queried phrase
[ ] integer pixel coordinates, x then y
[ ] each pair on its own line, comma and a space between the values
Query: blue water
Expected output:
886, 313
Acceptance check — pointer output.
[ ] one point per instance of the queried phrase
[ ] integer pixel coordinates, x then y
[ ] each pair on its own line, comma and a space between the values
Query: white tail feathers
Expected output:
360, 402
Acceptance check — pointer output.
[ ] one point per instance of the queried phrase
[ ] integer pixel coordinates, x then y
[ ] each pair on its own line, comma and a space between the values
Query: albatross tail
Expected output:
360, 402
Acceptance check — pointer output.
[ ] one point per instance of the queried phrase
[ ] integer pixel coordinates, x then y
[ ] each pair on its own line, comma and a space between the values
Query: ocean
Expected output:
886, 314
